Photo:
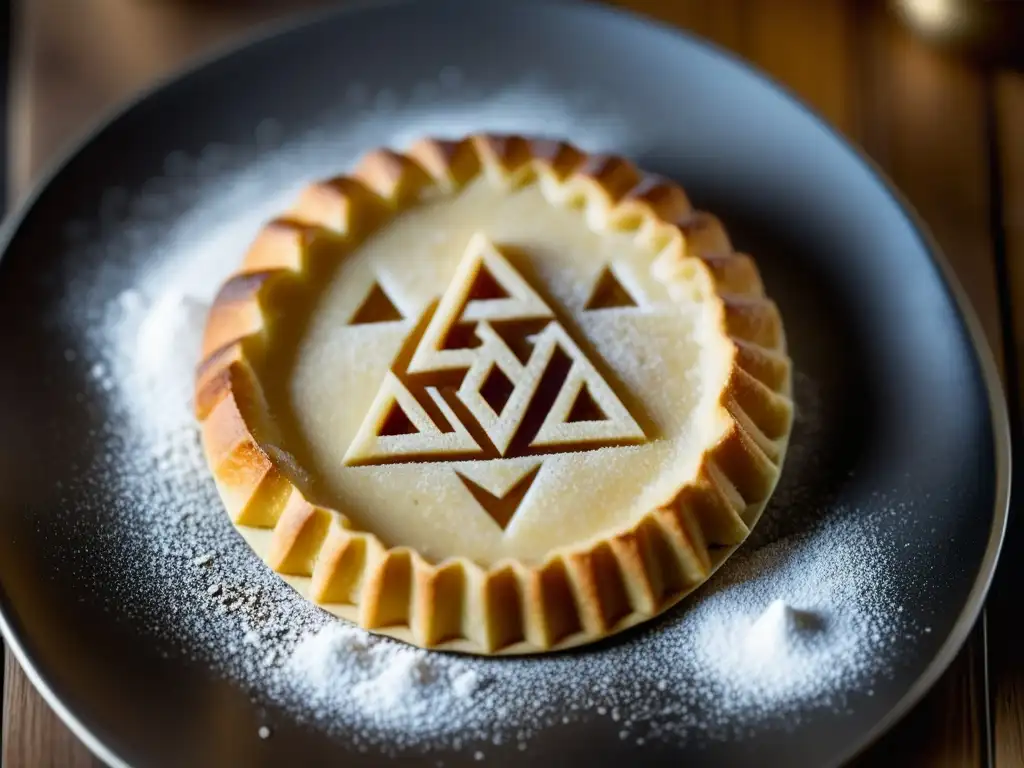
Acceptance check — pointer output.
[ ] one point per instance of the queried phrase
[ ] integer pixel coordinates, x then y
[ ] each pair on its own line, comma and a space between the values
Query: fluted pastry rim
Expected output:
577, 595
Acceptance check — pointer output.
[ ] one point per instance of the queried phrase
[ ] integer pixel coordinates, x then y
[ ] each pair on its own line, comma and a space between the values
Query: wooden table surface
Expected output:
949, 133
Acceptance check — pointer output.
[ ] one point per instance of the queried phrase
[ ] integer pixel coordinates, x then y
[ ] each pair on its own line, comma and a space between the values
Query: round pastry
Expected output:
494, 395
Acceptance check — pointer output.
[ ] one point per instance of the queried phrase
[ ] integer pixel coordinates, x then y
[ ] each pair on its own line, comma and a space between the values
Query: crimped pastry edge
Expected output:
578, 595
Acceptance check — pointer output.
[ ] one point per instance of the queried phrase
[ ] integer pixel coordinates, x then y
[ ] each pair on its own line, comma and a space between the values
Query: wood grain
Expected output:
76, 61
1006, 663
822, 69
33, 736
919, 114
924, 123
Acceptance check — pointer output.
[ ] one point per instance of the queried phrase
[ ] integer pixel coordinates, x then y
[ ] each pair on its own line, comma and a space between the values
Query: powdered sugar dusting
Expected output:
794, 622
807, 630
391, 685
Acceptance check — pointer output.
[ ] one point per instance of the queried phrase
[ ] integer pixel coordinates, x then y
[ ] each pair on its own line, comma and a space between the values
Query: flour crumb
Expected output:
780, 631
391, 684
465, 683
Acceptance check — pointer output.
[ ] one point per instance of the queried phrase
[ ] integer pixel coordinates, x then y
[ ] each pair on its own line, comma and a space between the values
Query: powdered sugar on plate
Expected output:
801, 616
389, 684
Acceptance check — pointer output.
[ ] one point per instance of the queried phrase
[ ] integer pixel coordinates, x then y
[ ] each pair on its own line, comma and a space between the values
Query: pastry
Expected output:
494, 395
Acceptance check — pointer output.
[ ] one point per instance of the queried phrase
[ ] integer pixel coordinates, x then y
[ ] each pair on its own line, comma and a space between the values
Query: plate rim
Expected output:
995, 395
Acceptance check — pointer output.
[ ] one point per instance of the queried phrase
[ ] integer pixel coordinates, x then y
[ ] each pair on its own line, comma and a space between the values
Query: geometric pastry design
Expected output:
494, 395
455, 363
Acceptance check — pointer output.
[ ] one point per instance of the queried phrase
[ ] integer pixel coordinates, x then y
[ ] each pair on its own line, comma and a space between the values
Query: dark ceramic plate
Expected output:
910, 414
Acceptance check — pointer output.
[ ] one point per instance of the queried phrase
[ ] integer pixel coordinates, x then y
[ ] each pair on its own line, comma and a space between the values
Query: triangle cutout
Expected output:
501, 508
609, 422
397, 422
609, 293
377, 307
485, 287
585, 408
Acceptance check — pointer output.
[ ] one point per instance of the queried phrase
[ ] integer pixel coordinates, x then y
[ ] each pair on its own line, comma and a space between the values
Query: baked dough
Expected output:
494, 395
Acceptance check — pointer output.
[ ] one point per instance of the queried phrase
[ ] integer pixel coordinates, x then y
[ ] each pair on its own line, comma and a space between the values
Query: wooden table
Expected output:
951, 136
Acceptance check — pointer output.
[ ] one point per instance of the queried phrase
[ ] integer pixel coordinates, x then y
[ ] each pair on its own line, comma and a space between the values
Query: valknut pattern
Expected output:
576, 595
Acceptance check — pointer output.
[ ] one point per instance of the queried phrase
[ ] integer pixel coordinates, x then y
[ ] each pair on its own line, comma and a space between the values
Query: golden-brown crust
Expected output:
577, 595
